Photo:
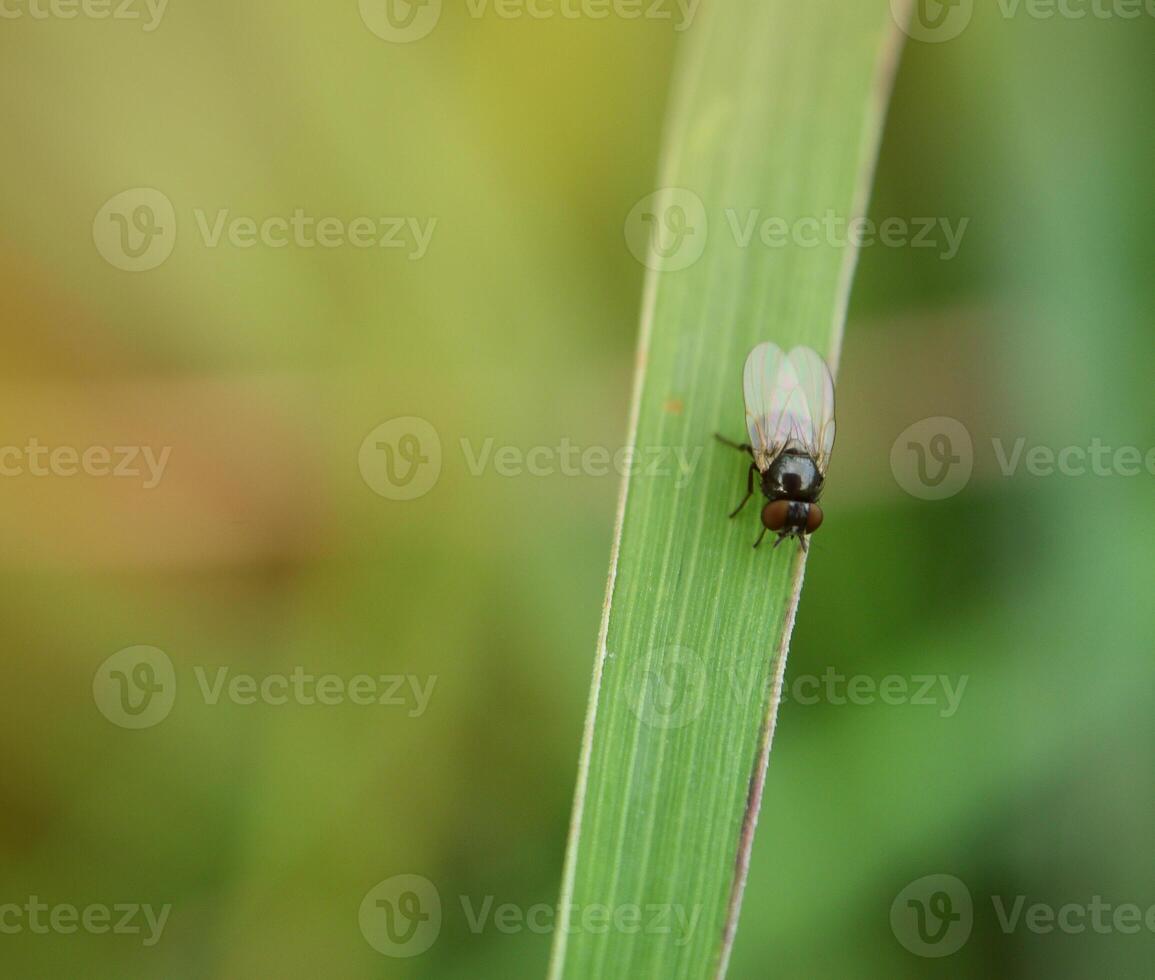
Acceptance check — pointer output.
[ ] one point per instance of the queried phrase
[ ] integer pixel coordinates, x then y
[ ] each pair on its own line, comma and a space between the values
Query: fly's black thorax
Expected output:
792, 476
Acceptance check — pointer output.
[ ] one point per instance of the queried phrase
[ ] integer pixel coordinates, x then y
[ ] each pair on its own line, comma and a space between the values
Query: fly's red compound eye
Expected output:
774, 514
813, 519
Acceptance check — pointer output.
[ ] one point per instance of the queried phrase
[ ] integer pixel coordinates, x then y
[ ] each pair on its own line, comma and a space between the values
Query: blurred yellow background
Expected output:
238, 530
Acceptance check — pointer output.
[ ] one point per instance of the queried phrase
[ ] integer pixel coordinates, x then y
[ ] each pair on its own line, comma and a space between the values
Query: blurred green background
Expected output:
263, 548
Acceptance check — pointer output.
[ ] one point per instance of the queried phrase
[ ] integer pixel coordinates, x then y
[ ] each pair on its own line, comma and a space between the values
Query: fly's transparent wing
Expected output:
767, 381
789, 404
815, 387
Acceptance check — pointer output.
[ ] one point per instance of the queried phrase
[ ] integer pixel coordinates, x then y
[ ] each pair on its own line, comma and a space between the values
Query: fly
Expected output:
790, 419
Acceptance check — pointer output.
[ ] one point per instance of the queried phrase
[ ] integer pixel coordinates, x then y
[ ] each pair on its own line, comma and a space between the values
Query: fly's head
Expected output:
791, 519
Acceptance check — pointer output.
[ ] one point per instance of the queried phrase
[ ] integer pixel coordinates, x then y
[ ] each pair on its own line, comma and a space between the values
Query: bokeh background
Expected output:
265, 548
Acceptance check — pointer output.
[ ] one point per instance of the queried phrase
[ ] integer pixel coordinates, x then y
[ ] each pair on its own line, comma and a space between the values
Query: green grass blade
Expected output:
777, 114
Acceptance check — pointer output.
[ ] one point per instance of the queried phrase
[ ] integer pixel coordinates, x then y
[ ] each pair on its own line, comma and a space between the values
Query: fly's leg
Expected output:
745, 448
749, 491
741, 446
